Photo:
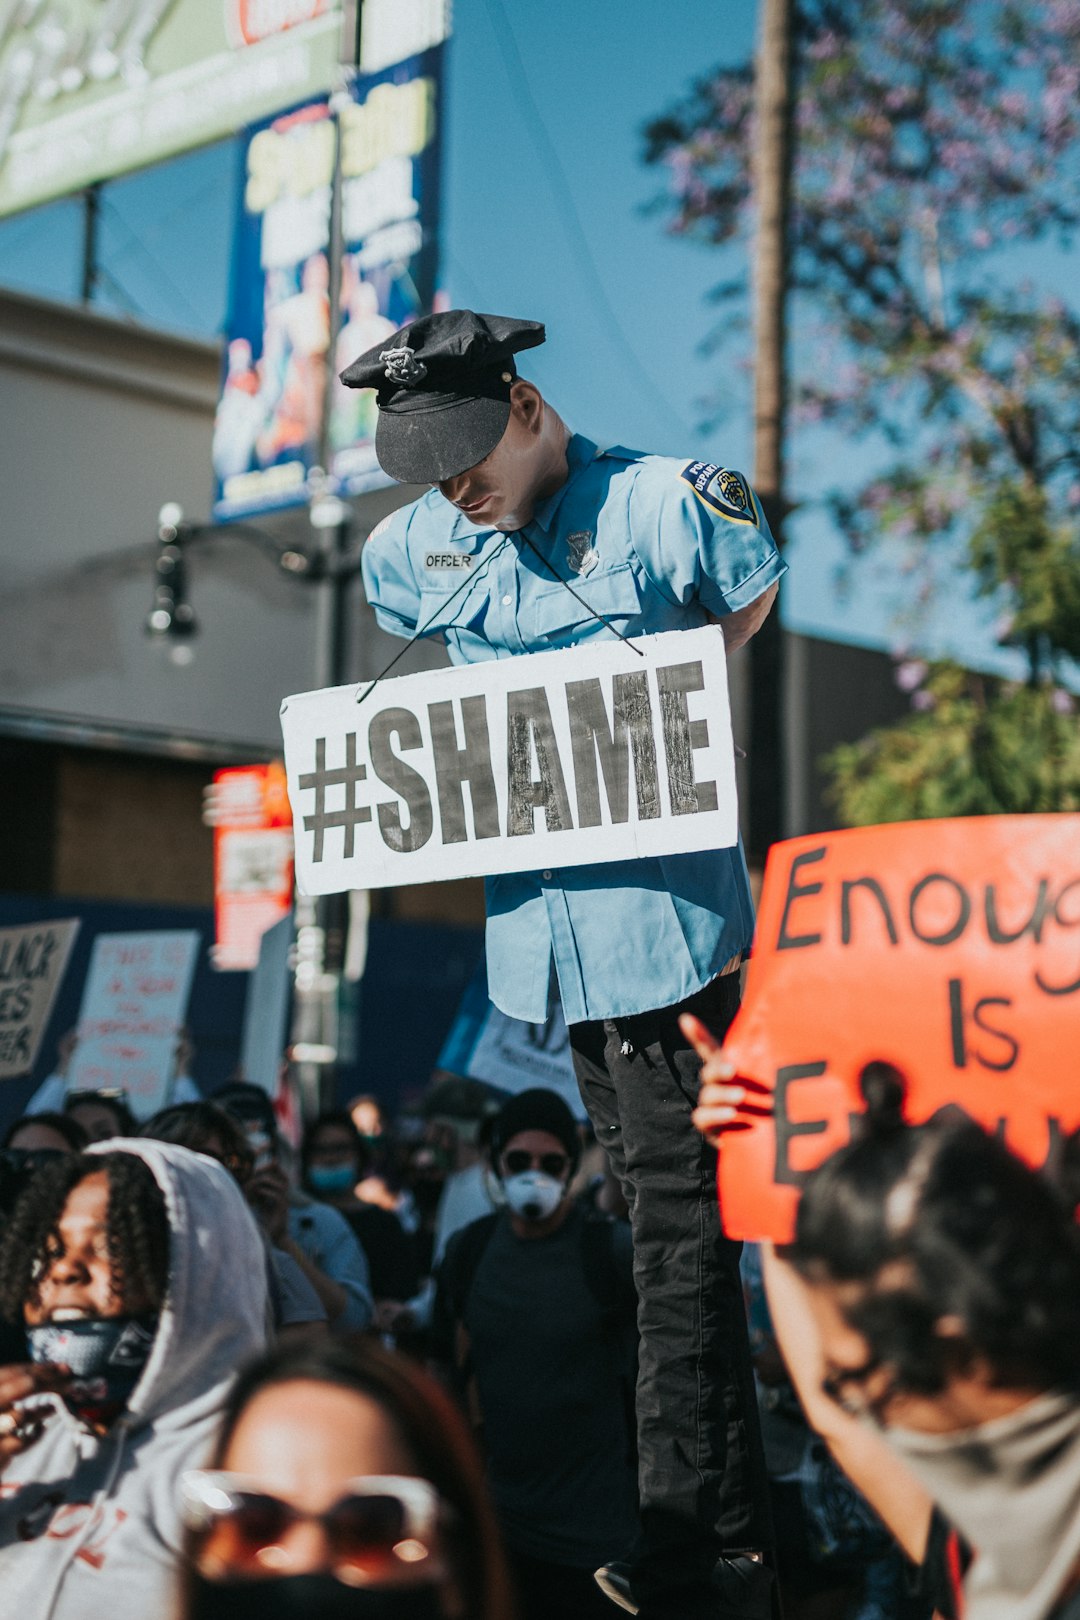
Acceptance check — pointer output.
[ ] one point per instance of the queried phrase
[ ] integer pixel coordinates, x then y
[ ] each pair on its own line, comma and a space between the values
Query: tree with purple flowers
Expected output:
929, 135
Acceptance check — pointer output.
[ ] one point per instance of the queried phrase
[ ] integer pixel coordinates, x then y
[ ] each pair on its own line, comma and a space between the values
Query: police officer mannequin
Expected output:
533, 538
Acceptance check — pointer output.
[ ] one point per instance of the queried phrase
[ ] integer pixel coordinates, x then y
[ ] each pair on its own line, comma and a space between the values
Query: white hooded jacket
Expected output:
89, 1528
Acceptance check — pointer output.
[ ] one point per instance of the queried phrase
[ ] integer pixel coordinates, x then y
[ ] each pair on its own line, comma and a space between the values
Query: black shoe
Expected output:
614, 1581
744, 1584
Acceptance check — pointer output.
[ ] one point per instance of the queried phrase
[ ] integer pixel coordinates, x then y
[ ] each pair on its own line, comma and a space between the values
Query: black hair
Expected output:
429, 1425
114, 1100
941, 1221
70, 1129
537, 1109
341, 1120
138, 1229
195, 1125
250, 1104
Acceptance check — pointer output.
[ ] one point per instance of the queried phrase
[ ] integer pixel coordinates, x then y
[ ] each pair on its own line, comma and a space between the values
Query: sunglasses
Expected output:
378, 1525
552, 1164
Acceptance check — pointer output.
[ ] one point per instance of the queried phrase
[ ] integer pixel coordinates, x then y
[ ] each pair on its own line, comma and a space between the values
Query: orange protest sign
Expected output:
253, 859
949, 948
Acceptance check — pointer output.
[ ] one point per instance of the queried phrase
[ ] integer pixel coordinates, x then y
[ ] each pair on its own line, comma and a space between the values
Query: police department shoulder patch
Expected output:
722, 491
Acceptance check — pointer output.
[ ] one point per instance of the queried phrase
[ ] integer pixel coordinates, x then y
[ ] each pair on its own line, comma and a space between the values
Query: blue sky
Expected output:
545, 216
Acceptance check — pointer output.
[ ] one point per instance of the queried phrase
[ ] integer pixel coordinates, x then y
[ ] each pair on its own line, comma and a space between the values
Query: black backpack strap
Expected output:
453, 1280
598, 1259
616, 1296
610, 1285
463, 1257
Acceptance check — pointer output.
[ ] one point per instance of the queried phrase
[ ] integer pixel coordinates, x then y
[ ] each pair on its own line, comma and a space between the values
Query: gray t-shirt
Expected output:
551, 1362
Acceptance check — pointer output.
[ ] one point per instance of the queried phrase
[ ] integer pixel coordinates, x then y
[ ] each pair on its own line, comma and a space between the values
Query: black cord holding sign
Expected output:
419, 634
470, 579
565, 583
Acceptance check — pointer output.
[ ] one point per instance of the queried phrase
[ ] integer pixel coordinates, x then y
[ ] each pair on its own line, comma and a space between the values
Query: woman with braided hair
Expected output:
135, 1270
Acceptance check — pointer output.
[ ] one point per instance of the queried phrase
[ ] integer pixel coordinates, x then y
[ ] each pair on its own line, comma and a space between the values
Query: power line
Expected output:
186, 204
460, 272
105, 277
567, 211
136, 243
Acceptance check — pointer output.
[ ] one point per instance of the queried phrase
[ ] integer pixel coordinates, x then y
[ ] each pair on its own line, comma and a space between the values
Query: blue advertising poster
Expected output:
269, 417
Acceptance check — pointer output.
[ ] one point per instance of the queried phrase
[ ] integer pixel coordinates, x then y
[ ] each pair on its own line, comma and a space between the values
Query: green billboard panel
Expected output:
93, 88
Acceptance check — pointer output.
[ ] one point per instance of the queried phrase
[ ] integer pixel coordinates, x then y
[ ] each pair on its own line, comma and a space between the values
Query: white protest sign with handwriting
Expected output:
597, 753
134, 1002
32, 962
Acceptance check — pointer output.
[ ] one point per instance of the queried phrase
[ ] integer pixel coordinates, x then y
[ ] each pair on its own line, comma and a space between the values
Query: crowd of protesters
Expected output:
388, 1370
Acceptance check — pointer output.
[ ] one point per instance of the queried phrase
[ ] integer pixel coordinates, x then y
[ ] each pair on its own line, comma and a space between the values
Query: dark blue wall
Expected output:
416, 974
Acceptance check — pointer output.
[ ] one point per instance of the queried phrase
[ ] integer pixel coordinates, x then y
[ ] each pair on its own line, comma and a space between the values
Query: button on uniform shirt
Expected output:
651, 544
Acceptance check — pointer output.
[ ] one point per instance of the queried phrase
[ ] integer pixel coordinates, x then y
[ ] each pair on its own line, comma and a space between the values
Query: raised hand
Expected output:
726, 1102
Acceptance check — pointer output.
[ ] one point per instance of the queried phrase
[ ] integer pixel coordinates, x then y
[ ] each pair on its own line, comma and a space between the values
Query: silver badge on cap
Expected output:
402, 367
583, 554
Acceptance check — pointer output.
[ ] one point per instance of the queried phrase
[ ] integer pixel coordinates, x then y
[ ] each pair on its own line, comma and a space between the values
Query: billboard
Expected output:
269, 418
93, 88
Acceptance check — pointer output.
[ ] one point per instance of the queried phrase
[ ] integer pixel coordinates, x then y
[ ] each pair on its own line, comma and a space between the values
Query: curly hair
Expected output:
137, 1230
929, 1222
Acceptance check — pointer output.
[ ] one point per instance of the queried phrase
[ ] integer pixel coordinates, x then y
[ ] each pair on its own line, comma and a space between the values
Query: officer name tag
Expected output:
595, 753
447, 559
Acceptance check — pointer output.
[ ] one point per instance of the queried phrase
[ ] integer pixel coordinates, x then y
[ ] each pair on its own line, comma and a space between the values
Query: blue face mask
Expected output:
332, 1178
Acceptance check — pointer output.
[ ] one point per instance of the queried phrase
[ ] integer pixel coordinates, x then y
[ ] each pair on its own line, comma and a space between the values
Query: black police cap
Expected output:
443, 391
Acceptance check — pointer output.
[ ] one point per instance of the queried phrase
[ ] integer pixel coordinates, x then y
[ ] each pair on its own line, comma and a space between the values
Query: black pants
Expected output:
704, 1490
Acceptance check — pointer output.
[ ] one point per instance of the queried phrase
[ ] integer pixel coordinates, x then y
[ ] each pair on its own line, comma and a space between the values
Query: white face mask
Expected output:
533, 1194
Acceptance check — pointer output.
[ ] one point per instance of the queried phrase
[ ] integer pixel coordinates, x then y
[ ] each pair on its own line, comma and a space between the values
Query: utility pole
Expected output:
322, 925
774, 103
91, 232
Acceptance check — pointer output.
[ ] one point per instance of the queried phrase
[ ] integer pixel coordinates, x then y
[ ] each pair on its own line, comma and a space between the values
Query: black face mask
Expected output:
311, 1597
107, 1356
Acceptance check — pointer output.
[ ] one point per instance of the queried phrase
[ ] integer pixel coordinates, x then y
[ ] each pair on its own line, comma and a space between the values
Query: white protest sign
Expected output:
134, 1001
596, 753
32, 962
514, 1055
266, 1010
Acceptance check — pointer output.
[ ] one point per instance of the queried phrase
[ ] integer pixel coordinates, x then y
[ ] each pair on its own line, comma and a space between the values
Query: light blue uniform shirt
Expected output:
663, 548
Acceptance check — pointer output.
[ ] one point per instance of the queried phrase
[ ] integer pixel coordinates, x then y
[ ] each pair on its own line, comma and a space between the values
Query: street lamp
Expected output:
171, 622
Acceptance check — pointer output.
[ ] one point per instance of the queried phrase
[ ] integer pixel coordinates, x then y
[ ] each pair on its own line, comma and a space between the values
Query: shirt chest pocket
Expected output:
457, 614
451, 601
562, 618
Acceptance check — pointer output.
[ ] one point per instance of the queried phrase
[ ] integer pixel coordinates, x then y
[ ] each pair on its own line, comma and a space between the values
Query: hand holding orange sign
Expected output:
722, 1106
949, 948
